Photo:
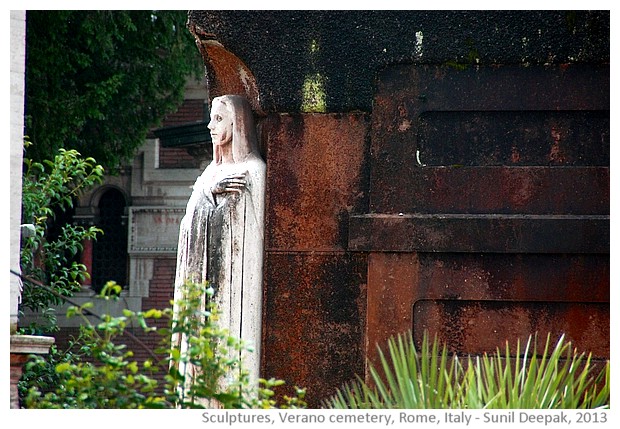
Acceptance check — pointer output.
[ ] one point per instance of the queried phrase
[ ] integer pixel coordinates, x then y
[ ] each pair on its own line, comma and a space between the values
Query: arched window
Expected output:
110, 248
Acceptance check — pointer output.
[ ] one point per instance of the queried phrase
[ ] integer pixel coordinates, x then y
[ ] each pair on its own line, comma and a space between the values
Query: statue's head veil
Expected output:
244, 132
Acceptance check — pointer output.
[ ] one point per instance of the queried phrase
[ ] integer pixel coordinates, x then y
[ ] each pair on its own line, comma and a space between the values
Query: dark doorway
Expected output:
110, 249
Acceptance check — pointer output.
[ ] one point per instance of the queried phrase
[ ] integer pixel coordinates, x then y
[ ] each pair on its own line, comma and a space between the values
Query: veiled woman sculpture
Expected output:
221, 234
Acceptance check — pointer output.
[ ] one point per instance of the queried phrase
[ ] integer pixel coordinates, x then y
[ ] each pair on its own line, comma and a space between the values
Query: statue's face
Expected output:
221, 124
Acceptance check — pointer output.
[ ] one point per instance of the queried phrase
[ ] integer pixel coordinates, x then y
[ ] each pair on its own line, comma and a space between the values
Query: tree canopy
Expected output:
97, 81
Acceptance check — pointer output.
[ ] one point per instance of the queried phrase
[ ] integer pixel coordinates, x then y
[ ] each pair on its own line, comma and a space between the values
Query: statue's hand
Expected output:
233, 183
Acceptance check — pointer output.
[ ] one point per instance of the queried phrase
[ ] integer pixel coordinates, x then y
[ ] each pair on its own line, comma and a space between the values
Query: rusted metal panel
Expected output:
516, 190
489, 195
505, 190
508, 138
481, 140
316, 175
314, 320
391, 296
512, 277
526, 190
406, 291
479, 233
483, 326
315, 289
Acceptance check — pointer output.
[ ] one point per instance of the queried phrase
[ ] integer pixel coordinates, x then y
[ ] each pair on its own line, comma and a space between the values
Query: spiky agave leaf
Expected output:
559, 377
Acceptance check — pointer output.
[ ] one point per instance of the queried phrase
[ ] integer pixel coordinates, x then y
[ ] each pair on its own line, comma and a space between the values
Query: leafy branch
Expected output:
49, 188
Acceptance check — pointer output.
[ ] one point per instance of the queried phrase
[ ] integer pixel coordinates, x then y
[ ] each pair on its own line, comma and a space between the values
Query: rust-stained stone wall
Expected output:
347, 48
485, 125
315, 297
316, 177
490, 247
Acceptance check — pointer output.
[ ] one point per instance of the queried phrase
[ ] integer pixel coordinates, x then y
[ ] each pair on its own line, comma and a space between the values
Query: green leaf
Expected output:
63, 367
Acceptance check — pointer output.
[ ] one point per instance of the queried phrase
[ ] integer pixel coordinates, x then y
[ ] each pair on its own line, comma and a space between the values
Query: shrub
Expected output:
111, 378
50, 187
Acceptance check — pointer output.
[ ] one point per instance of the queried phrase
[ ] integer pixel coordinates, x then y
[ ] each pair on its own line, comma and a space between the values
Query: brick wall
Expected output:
189, 111
141, 343
171, 157
162, 284
177, 157
161, 292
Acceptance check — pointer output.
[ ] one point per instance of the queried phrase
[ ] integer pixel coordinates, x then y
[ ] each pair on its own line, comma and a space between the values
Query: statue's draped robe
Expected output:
221, 241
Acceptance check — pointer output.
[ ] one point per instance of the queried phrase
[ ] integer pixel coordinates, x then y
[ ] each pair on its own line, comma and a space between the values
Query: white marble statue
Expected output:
221, 234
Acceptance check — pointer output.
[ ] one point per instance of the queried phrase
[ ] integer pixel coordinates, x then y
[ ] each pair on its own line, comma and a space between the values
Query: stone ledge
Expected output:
21, 347
31, 344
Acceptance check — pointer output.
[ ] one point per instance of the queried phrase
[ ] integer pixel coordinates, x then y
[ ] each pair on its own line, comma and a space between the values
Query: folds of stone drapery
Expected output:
221, 241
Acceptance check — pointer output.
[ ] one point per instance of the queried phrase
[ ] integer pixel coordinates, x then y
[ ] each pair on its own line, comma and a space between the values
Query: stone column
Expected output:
21, 345
86, 258
18, 58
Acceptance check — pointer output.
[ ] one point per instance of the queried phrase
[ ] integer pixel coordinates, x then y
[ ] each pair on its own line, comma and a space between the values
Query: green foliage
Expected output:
111, 378
97, 80
201, 344
220, 379
557, 378
116, 381
266, 396
48, 188
40, 371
